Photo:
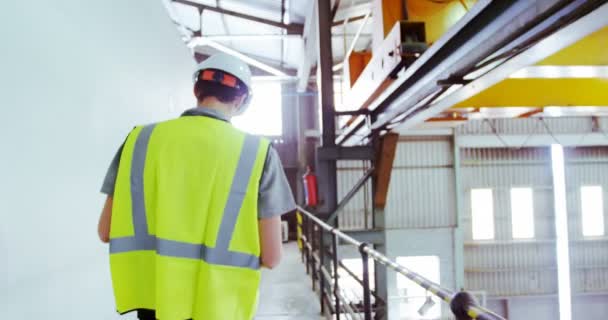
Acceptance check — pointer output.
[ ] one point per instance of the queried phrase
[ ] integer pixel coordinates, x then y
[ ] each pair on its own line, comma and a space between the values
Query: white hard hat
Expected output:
231, 65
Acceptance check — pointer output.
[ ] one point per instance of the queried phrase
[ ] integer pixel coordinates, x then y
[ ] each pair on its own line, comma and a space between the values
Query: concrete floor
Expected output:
286, 291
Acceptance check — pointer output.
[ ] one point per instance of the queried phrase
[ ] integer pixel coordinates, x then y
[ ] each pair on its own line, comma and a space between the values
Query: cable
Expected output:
496, 133
549, 131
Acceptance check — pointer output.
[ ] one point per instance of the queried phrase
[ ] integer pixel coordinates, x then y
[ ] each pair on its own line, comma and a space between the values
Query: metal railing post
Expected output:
462, 304
306, 244
320, 273
334, 245
313, 246
367, 305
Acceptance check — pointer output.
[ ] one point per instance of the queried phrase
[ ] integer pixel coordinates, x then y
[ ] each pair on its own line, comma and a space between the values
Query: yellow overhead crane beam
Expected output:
589, 51
541, 93
540, 90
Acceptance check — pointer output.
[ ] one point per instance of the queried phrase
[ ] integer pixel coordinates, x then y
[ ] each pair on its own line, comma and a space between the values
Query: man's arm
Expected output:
103, 228
270, 241
275, 199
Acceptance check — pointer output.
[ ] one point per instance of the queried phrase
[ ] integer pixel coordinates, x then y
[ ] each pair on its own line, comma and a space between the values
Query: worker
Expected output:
193, 207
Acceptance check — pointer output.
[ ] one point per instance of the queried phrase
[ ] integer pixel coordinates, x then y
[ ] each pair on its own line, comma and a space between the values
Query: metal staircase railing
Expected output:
313, 232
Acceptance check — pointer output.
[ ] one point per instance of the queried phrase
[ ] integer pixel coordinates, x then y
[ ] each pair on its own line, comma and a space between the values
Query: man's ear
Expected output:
238, 103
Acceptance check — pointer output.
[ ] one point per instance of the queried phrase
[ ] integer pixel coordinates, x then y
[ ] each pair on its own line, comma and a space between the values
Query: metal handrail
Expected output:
461, 303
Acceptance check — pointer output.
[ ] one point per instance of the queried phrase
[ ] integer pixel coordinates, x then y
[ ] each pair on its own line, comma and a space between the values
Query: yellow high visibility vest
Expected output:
184, 234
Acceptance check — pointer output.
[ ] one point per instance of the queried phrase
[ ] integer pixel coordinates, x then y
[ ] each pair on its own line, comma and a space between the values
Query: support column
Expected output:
458, 232
383, 164
326, 168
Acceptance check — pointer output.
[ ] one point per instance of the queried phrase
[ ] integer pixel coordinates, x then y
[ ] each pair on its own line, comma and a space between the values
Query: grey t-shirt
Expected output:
274, 198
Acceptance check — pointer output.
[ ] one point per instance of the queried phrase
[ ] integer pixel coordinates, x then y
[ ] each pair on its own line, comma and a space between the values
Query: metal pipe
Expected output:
321, 269
472, 309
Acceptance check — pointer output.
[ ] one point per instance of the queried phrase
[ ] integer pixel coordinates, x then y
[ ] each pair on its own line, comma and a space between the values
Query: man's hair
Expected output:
225, 94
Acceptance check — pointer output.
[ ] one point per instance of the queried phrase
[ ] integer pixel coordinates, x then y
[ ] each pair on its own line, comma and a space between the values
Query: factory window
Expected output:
415, 301
482, 212
522, 213
592, 208
264, 116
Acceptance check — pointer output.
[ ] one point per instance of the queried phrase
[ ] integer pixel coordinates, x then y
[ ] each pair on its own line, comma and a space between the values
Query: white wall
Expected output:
75, 77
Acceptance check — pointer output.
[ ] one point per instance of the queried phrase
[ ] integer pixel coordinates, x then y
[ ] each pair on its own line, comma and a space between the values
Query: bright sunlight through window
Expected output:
561, 232
522, 213
417, 302
482, 211
264, 114
592, 206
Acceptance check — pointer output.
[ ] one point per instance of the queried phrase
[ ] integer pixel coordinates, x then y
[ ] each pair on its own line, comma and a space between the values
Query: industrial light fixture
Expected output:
426, 306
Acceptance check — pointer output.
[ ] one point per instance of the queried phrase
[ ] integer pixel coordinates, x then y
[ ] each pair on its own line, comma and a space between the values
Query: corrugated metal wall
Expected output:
588, 257
357, 214
421, 193
507, 267
504, 266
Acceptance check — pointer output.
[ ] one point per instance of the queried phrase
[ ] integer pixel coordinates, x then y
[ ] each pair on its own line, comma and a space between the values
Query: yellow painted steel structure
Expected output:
541, 93
536, 91
438, 16
589, 51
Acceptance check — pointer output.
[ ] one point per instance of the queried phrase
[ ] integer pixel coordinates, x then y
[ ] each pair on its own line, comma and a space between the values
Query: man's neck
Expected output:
214, 104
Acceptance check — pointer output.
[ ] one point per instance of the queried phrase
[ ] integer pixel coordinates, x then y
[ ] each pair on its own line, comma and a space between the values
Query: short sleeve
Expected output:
275, 197
109, 181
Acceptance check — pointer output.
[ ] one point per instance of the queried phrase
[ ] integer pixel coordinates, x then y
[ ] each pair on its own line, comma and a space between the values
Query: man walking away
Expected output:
193, 207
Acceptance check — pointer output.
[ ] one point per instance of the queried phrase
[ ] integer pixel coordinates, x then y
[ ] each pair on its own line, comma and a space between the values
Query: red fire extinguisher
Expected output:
310, 187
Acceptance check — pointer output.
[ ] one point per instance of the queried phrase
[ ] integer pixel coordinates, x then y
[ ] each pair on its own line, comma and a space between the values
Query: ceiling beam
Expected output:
310, 43
553, 43
334, 10
351, 12
231, 37
293, 28
199, 42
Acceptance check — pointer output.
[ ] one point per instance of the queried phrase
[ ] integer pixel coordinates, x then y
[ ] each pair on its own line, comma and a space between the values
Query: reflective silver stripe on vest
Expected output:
220, 255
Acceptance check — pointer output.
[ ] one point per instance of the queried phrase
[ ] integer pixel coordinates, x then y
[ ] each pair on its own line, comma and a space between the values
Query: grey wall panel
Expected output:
421, 198
588, 255
421, 193
505, 266
357, 213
